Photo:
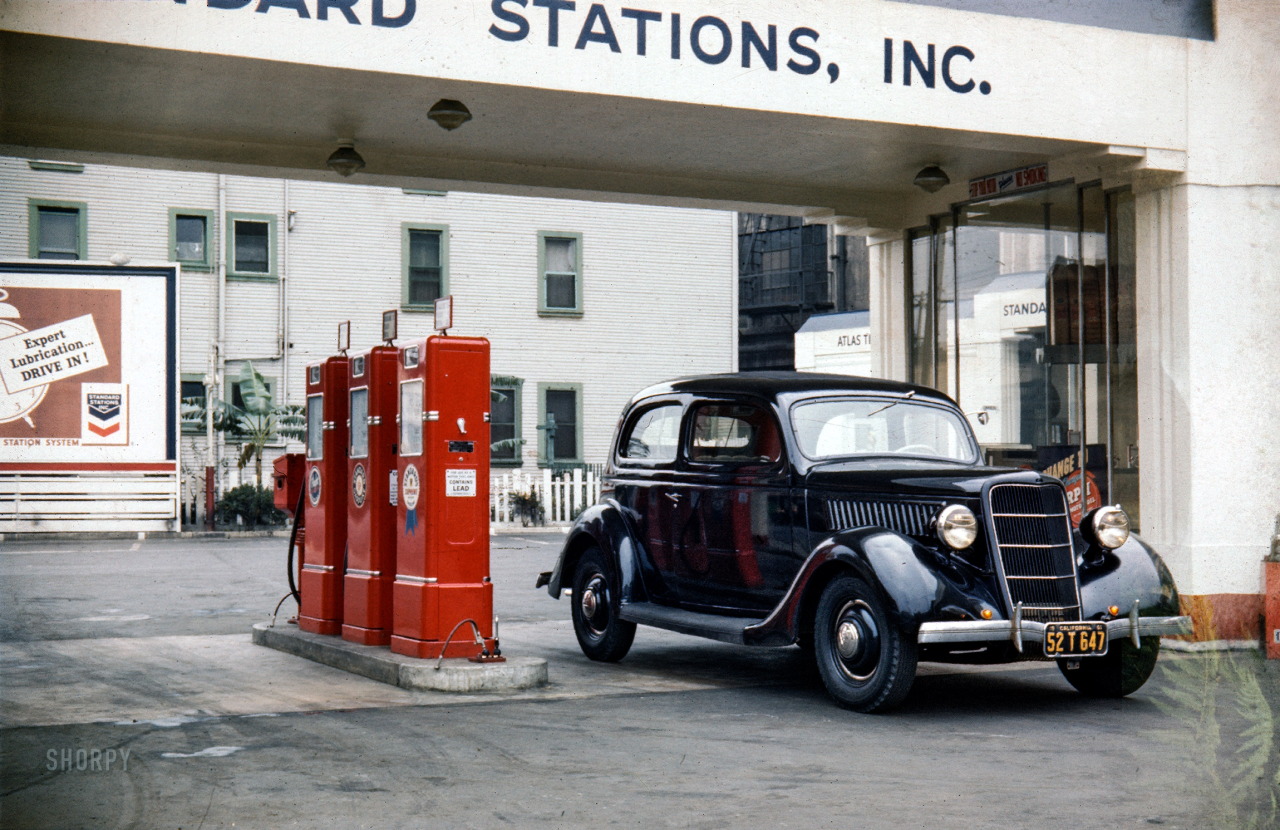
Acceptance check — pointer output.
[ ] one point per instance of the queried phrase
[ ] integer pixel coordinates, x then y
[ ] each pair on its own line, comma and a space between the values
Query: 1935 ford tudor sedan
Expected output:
853, 517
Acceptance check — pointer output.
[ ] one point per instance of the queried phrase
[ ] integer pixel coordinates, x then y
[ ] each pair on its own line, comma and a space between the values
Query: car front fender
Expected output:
918, 584
1131, 575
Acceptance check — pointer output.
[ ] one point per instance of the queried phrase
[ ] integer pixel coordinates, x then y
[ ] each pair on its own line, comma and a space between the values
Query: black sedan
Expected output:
854, 518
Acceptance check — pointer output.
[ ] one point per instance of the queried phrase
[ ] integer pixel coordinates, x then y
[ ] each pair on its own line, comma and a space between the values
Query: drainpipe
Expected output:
219, 345
283, 326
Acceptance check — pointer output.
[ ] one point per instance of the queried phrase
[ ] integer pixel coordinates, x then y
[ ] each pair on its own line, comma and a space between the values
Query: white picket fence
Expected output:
561, 496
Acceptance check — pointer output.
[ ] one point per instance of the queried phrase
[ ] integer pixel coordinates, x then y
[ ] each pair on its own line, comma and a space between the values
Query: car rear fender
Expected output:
603, 525
917, 582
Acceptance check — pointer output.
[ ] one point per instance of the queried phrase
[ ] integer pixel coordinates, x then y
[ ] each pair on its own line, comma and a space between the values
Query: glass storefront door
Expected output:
1023, 311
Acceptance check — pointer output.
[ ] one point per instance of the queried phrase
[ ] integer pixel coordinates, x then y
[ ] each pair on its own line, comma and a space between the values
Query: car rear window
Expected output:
654, 434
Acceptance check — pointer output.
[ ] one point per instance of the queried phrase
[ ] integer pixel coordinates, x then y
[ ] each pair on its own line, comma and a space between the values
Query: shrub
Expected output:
528, 506
255, 505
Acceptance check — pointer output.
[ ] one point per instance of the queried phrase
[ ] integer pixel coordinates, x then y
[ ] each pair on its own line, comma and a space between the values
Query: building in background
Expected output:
787, 272
270, 267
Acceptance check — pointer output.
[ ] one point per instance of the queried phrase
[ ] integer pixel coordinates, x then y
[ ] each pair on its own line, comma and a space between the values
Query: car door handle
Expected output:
675, 497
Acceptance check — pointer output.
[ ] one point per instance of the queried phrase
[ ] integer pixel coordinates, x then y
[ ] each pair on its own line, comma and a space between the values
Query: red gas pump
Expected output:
325, 509
371, 512
442, 520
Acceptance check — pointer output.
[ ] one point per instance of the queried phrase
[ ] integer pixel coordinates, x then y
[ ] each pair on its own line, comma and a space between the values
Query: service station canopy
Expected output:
828, 107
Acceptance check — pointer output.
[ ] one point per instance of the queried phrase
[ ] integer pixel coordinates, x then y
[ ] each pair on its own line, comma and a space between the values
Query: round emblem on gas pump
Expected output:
313, 486
411, 487
359, 485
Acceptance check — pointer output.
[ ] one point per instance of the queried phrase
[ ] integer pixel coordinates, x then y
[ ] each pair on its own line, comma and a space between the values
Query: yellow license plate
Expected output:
1075, 639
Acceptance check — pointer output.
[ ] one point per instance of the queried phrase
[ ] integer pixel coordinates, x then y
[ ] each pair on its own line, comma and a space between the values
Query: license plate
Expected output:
1075, 639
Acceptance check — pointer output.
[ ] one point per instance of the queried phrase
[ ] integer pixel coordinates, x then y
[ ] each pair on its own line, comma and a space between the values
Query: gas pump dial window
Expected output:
359, 423
411, 417
315, 427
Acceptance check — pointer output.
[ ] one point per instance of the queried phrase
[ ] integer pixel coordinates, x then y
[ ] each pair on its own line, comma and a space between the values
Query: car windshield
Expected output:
845, 427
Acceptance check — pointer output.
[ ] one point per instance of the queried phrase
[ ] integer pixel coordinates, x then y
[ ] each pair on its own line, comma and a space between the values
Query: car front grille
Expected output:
908, 518
1036, 558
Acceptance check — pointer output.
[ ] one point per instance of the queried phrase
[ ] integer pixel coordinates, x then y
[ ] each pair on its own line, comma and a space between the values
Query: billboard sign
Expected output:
87, 364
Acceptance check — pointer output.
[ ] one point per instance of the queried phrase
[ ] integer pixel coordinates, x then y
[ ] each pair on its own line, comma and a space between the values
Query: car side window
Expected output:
654, 435
734, 434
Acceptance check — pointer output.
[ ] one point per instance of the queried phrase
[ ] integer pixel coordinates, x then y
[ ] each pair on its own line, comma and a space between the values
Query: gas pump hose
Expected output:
293, 538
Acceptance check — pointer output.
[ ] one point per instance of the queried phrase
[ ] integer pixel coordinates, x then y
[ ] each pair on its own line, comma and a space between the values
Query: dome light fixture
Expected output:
931, 178
449, 114
345, 160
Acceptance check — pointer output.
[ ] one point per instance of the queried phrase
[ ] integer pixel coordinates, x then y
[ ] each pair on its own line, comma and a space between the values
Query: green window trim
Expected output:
406, 232
513, 386
204, 263
190, 428
34, 206
543, 389
269, 219
544, 309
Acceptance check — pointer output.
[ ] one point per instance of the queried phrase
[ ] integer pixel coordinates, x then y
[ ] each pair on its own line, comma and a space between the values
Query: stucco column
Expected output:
1209, 393
889, 296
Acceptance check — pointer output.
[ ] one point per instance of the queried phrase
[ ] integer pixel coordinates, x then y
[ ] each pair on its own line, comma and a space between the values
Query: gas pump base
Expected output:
377, 663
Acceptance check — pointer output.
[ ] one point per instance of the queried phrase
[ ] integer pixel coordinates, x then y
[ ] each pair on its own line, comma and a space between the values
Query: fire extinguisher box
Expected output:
370, 505
288, 473
442, 519
320, 581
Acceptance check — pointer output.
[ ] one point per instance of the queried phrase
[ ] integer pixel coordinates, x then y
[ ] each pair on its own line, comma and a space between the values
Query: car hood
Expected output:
901, 478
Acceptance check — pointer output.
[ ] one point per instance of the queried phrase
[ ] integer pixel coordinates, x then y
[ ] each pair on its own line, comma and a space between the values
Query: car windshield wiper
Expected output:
905, 397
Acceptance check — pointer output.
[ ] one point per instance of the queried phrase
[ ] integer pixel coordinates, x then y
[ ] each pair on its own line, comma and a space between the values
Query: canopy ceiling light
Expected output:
931, 179
345, 160
449, 113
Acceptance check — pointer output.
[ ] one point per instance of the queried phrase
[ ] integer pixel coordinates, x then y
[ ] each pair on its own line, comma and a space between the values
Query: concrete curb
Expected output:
379, 663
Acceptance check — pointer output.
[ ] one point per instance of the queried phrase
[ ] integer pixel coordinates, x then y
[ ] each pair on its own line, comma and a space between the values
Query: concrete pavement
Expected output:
145, 647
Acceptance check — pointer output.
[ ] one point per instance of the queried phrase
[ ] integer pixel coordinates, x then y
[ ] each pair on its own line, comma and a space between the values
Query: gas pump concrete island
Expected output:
394, 493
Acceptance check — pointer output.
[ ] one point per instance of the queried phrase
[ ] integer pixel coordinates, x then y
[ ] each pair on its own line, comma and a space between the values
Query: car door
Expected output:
643, 468
731, 537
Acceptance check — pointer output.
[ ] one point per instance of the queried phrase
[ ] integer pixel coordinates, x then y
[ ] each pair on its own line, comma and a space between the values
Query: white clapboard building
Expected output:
269, 268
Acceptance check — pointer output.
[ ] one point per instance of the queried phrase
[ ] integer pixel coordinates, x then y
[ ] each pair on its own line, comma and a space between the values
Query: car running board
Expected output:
712, 626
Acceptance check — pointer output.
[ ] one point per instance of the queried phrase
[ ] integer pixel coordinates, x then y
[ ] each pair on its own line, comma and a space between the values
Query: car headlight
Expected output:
1106, 527
956, 526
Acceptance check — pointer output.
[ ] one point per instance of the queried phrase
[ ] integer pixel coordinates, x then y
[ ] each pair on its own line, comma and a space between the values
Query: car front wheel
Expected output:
866, 661
601, 634
1121, 671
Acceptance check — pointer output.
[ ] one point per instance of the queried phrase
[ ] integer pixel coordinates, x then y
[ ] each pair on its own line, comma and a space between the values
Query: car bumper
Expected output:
1020, 631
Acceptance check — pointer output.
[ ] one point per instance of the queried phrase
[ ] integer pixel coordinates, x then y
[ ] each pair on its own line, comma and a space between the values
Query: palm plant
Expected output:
253, 425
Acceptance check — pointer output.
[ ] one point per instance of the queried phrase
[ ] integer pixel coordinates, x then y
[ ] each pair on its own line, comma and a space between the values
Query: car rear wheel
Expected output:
1121, 671
866, 661
601, 634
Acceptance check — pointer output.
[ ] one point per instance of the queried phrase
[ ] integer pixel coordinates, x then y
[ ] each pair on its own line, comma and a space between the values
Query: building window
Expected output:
57, 230
560, 270
504, 421
425, 253
251, 246
189, 237
559, 423
192, 403
237, 397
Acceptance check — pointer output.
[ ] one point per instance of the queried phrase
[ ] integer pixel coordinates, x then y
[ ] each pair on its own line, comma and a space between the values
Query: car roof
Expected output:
772, 384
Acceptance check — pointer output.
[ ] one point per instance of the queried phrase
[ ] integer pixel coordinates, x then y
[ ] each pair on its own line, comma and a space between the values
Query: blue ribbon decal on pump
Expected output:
410, 488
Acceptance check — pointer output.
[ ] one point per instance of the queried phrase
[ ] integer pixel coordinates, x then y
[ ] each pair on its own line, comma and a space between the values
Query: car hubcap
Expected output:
857, 641
848, 640
592, 603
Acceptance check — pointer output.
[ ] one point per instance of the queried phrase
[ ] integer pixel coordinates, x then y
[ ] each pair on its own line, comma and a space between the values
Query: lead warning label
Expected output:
460, 483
